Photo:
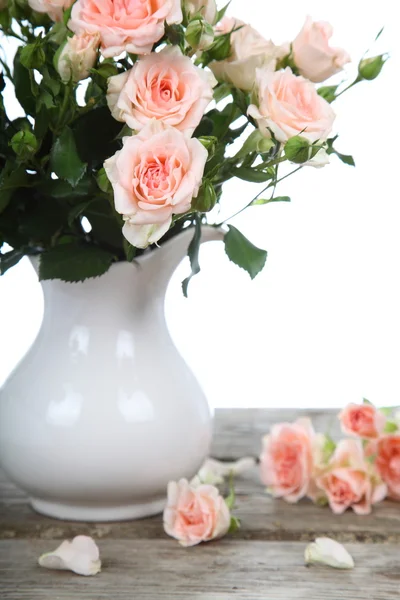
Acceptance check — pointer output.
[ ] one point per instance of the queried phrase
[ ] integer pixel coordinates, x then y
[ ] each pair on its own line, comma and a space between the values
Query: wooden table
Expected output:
263, 560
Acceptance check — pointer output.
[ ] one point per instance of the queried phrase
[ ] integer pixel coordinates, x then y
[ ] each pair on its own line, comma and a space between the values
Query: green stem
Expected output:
274, 183
357, 80
63, 109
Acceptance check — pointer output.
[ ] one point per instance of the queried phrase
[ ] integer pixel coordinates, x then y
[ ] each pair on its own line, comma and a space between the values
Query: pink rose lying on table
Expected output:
125, 25
154, 176
289, 105
363, 420
54, 8
286, 461
348, 481
165, 86
312, 54
387, 452
195, 514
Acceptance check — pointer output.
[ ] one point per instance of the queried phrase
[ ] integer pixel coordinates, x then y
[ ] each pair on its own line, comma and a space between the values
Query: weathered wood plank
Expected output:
263, 518
238, 433
152, 570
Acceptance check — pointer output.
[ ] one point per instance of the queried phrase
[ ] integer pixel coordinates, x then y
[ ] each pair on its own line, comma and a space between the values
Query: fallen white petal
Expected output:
214, 471
325, 551
81, 555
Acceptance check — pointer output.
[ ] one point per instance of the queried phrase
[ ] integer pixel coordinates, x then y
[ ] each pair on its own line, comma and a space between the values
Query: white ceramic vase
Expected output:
103, 411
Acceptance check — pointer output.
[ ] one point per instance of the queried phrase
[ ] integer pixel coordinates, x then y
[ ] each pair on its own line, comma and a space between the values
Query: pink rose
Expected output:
155, 175
350, 482
125, 25
78, 55
313, 56
286, 461
387, 451
54, 8
289, 105
364, 421
195, 514
249, 51
165, 86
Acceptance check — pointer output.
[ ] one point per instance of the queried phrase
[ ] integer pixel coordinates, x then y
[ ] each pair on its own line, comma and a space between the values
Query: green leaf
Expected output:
130, 251
32, 55
221, 13
328, 448
22, 86
234, 525
11, 178
391, 427
65, 159
58, 188
252, 175
365, 401
77, 210
96, 136
346, 158
328, 92
72, 262
378, 35
221, 91
243, 253
106, 223
193, 253
9, 259
260, 201
45, 100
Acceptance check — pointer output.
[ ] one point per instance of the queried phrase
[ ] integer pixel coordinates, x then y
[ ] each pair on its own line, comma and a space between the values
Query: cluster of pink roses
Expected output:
163, 97
354, 473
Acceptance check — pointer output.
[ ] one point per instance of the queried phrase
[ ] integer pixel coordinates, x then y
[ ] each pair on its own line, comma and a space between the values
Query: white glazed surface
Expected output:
102, 412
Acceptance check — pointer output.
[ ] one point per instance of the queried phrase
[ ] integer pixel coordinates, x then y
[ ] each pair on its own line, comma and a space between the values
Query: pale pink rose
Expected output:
78, 55
289, 105
207, 8
155, 175
387, 450
313, 56
286, 461
364, 421
125, 25
249, 51
349, 481
54, 8
162, 85
195, 514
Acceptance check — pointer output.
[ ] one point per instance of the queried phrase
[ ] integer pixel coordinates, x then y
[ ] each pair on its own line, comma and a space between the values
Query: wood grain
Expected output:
153, 570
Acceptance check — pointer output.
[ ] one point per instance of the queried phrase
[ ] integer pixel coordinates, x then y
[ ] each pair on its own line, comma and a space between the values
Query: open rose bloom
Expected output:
364, 421
154, 176
289, 105
286, 461
349, 481
165, 86
195, 514
125, 25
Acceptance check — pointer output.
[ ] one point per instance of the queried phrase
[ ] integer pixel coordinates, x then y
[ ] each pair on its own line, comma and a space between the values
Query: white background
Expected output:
320, 326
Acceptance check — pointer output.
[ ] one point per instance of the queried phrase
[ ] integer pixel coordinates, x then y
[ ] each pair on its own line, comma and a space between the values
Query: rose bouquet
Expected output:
137, 113
355, 472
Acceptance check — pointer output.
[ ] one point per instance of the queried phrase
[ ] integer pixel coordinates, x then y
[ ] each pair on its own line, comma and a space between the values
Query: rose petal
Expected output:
325, 551
81, 555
